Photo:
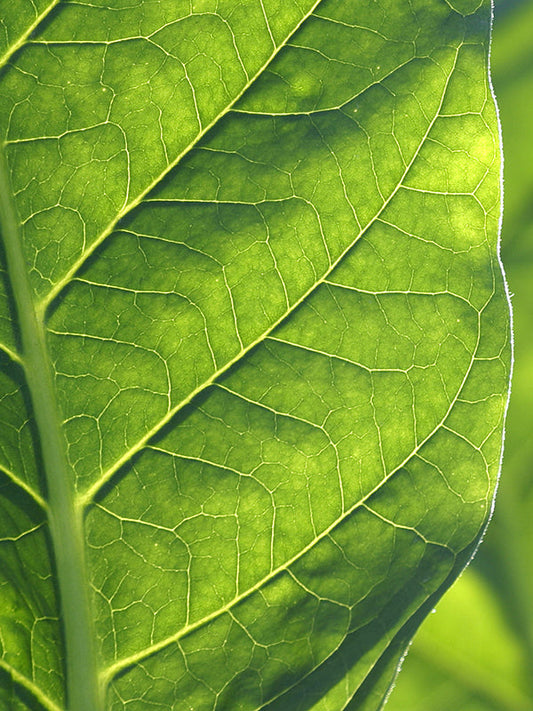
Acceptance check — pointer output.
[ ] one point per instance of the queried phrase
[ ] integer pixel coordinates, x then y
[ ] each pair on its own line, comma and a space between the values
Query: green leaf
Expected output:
256, 339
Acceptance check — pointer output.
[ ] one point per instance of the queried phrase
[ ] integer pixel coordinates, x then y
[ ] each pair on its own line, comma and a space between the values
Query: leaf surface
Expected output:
256, 339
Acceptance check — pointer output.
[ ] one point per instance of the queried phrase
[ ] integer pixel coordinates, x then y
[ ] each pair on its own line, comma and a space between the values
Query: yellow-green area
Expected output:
255, 345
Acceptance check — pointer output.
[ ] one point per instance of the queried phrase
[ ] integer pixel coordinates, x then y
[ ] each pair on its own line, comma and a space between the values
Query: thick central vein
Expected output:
65, 517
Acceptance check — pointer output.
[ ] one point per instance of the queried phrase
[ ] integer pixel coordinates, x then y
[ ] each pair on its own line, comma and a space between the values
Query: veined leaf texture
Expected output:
255, 345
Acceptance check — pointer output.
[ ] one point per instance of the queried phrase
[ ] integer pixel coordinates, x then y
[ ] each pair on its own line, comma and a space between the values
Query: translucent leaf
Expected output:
256, 338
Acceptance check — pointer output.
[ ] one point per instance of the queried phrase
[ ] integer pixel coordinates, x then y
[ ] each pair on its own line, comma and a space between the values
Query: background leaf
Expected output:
256, 341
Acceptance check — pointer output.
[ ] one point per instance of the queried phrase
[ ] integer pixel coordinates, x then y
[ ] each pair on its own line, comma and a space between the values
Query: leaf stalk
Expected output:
84, 693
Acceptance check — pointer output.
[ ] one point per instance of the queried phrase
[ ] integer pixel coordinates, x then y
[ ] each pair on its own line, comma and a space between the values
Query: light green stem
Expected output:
65, 516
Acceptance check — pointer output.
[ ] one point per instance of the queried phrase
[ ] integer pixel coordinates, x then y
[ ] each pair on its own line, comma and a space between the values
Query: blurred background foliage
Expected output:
476, 652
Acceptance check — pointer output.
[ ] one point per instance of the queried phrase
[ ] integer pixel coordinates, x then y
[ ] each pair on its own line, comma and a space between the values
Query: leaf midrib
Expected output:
64, 517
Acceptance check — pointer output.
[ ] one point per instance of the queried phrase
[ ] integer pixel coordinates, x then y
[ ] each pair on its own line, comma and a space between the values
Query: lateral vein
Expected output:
29, 685
25, 487
62, 283
4, 59
119, 666
92, 491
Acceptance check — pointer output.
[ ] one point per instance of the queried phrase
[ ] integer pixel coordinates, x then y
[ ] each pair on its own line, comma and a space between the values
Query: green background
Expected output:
476, 652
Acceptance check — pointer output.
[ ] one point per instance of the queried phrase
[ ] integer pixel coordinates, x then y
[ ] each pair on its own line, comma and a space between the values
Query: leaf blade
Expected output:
179, 346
